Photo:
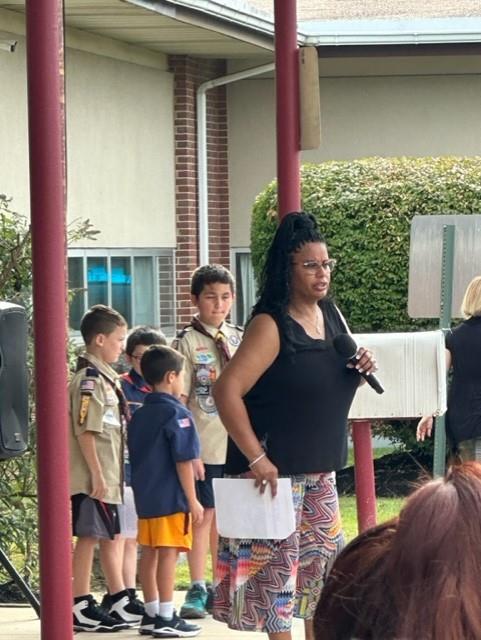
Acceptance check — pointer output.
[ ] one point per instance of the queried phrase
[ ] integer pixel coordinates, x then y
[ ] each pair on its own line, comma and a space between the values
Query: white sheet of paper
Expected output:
243, 512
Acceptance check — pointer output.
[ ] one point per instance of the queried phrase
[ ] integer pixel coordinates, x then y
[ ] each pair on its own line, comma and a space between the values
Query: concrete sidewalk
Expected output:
21, 623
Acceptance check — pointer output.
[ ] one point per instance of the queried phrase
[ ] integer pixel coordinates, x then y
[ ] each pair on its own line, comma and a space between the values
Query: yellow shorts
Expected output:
166, 531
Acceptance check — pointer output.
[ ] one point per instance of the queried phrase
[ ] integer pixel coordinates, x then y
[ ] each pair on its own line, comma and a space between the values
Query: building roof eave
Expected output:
390, 32
249, 22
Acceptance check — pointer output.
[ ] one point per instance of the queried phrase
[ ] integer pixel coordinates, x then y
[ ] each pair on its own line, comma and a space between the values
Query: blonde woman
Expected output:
463, 354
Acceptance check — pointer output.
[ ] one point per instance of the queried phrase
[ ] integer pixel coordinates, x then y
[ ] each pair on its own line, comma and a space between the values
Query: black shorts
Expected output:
204, 489
92, 518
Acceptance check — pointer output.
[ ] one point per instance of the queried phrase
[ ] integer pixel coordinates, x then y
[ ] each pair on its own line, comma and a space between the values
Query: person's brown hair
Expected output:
158, 360
436, 557
144, 336
210, 274
424, 581
342, 612
100, 319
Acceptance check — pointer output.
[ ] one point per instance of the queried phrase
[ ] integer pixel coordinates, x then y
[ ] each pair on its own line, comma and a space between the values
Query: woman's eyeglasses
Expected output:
313, 266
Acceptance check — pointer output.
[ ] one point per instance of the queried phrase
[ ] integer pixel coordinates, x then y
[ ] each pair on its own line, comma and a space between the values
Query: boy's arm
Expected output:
88, 448
185, 472
181, 346
184, 446
87, 409
199, 469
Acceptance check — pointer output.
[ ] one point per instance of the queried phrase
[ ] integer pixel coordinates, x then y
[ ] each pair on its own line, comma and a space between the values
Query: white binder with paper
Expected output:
242, 511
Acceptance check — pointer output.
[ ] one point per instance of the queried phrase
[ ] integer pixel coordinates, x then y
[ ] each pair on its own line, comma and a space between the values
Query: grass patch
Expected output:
386, 508
182, 577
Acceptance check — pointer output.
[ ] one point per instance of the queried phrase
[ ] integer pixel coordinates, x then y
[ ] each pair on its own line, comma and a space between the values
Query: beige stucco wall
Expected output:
121, 150
386, 107
13, 128
252, 154
120, 141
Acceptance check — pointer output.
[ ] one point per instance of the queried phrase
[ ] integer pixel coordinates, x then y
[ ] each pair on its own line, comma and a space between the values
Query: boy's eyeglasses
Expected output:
313, 266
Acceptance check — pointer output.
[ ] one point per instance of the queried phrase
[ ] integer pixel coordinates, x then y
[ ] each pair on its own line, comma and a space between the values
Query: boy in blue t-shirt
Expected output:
163, 442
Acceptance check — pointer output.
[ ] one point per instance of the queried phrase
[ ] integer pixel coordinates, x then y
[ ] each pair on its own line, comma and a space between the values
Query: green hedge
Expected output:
365, 208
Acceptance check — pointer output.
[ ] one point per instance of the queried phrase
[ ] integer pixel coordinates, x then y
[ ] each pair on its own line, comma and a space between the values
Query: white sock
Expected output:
166, 610
200, 583
152, 608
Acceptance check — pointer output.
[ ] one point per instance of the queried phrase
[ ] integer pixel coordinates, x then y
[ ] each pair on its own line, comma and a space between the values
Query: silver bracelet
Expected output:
256, 460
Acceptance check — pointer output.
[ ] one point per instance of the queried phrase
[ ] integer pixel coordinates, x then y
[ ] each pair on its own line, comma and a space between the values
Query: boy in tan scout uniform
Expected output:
97, 408
207, 343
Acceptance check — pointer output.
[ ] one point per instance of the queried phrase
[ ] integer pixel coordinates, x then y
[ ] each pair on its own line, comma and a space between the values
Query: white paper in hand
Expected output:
243, 512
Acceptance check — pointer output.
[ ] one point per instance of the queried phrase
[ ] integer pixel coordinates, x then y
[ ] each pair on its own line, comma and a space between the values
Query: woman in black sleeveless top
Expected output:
284, 399
463, 354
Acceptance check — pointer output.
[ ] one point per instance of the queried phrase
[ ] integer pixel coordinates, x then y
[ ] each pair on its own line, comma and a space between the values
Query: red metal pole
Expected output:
364, 475
45, 74
287, 107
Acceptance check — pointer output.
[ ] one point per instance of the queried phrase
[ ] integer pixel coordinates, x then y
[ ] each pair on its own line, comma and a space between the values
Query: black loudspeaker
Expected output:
13, 381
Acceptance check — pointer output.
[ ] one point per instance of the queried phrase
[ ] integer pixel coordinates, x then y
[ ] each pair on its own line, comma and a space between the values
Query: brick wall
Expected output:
189, 73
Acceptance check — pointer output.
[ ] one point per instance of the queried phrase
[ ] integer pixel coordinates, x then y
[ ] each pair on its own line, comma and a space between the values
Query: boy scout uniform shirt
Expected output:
202, 368
135, 389
94, 407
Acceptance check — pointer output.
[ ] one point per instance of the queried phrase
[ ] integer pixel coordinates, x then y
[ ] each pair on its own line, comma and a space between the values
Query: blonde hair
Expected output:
471, 305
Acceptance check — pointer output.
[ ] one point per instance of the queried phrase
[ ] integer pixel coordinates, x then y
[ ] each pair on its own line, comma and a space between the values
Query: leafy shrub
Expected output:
18, 476
364, 208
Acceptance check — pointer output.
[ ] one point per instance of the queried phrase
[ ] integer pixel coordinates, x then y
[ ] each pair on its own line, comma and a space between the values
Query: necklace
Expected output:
316, 325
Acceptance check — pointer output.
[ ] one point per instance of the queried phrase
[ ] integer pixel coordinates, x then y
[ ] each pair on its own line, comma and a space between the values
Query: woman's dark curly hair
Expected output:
295, 230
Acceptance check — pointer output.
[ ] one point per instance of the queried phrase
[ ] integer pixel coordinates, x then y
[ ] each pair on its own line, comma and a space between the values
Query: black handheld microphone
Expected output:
347, 348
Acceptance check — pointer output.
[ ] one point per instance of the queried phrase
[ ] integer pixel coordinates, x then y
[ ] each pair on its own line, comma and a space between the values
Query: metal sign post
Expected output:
447, 265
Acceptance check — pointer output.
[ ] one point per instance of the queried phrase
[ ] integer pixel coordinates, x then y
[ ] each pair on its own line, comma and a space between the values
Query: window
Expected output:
245, 285
138, 283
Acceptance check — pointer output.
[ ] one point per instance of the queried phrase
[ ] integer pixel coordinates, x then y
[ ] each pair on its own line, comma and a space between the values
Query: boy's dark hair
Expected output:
146, 336
100, 319
210, 274
158, 360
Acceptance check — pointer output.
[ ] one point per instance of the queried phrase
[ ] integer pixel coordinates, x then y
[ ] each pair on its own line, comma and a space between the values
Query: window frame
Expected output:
234, 251
108, 254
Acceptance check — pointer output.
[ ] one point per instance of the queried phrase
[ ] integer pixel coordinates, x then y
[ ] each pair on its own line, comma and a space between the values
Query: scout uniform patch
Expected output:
84, 409
87, 387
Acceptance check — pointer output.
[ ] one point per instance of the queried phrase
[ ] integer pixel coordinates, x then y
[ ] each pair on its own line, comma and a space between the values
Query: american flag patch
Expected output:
87, 385
183, 423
